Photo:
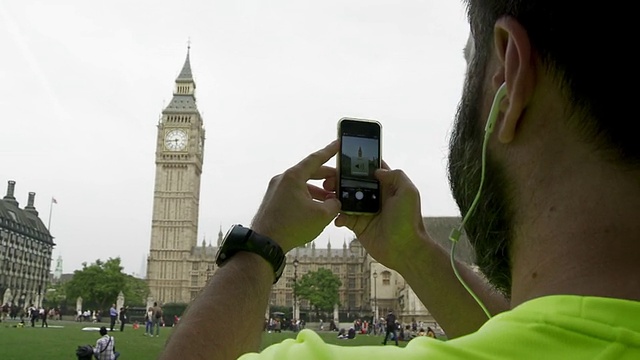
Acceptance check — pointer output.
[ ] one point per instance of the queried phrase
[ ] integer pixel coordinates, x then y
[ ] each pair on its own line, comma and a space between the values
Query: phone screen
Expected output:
358, 189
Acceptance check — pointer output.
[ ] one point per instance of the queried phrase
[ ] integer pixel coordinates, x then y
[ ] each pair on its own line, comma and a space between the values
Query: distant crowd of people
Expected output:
392, 329
276, 324
153, 319
389, 326
32, 313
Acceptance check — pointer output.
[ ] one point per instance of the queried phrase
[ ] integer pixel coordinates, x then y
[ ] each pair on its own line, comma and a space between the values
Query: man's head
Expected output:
155, 304
113, 305
103, 331
553, 57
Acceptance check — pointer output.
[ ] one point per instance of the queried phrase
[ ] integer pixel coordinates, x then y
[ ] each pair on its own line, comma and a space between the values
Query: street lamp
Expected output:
39, 296
295, 281
375, 293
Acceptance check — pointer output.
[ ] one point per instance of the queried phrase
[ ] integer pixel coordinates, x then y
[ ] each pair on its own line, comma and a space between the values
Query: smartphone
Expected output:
359, 158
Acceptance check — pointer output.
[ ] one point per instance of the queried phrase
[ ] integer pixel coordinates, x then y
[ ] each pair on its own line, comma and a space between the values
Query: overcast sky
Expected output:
84, 83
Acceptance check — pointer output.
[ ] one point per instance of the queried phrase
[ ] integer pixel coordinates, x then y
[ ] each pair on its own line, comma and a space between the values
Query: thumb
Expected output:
331, 206
392, 180
387, 176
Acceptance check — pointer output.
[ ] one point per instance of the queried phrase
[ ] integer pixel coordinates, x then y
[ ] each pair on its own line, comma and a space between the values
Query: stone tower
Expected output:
174, 224
57, 273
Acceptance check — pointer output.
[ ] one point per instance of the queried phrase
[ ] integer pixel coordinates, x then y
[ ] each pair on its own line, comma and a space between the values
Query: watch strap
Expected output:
241, 238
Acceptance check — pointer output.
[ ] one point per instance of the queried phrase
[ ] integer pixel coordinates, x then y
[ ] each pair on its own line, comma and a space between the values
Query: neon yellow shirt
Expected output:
551, 327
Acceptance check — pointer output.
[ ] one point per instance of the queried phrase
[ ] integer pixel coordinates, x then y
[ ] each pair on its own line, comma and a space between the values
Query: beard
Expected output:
489, 225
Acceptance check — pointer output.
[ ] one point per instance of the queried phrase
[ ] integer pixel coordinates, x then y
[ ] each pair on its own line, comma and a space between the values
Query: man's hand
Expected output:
294, 212
397, 238
392, 235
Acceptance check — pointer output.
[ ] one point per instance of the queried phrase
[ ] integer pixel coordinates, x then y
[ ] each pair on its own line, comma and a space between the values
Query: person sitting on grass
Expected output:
105, 348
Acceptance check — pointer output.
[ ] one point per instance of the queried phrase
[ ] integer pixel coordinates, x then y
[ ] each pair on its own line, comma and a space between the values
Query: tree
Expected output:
56, 296
320, 288
170, 310
100, 283
135, 291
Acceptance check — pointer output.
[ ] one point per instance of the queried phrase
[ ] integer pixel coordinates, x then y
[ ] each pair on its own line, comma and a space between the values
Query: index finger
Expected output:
309, 165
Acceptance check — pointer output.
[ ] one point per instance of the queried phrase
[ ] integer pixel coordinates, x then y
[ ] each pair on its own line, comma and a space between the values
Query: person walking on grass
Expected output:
44, 315
123, 317
148, 320
157, 319
33, 314
392, 328
113, 313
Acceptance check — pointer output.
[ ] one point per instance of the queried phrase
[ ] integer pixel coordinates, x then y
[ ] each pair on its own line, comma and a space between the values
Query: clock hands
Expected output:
176, 140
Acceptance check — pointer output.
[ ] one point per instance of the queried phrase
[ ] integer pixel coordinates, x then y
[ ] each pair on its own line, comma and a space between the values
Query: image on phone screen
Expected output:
359, 159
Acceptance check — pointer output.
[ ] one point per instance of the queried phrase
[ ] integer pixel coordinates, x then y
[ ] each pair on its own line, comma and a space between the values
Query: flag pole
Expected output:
50, 211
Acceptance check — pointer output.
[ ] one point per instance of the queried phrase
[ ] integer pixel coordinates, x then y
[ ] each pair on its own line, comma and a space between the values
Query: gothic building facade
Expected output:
25, 251
348, 263
369, 289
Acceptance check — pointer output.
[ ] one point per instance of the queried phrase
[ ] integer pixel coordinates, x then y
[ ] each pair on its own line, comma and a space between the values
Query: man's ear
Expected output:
517, 70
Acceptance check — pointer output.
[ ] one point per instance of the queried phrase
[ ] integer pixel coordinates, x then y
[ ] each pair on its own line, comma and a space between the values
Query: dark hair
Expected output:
574, 42
103, 330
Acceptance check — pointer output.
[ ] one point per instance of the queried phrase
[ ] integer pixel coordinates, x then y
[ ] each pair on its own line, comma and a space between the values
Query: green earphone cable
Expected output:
455, 233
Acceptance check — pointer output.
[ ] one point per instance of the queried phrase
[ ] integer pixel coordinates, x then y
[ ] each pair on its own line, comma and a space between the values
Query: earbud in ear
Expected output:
495, 108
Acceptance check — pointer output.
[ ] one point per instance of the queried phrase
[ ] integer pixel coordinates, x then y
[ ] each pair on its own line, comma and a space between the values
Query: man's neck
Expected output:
580, 236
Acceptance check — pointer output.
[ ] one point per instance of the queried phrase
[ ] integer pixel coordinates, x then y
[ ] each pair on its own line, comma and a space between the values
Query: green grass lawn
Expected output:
60, 343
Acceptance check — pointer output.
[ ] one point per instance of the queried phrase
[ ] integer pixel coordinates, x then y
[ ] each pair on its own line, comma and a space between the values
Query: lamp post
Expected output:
39, 298
295, 296
375, 294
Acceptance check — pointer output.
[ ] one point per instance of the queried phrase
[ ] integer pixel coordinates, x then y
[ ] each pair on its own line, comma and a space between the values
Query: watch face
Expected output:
221, 255
176, 140
226, 236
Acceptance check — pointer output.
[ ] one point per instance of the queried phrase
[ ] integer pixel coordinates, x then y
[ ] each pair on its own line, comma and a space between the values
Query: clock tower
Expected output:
176, 196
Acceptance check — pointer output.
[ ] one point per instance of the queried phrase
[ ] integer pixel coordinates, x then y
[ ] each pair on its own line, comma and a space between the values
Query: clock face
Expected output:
176, 140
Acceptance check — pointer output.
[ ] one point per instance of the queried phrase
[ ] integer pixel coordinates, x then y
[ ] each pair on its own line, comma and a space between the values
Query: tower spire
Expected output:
220, 236
185, 74
58, 272
184, 99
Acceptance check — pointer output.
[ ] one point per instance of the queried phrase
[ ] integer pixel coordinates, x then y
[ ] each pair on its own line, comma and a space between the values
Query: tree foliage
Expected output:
320, 288
169, 310
56, 296
136, 291
100, 283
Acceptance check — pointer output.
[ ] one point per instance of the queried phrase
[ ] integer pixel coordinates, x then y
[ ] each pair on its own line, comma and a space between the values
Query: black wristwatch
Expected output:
240, 238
